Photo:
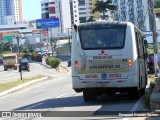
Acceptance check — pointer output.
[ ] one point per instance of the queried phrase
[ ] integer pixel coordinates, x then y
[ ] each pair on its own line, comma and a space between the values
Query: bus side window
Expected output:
137, 42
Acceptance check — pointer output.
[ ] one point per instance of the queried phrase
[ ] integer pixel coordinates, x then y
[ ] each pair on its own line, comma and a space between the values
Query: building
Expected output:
11, 8
20, 9
74, 12
57, 9
82, 11
135, 11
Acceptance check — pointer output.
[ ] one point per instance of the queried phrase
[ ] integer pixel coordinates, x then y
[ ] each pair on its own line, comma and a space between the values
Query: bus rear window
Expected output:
102, 39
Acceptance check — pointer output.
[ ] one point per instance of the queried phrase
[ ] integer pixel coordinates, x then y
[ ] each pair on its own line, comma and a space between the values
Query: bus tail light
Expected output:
76, 64
130, 63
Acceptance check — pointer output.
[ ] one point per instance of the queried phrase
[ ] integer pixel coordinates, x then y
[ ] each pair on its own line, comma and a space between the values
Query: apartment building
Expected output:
57, 9
11, 8
135, 11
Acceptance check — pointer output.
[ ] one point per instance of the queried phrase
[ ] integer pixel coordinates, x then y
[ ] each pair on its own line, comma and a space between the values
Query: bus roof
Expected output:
102, 24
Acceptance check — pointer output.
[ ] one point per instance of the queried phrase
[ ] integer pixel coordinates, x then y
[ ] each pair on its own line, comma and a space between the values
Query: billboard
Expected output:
47, 23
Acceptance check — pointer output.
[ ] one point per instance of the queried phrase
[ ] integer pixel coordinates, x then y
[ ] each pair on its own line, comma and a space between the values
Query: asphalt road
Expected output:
57, 95
35, 69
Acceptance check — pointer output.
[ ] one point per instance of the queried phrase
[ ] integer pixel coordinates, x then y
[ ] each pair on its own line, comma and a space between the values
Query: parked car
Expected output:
69, 62
24, 65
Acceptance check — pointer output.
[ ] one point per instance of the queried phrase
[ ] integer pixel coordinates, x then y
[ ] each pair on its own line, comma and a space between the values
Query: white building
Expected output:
11, 8
57, 9
74, 12
135, 11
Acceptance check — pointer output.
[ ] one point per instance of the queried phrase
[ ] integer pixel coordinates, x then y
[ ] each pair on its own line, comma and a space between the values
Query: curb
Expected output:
44, 65
21, 86
65, 68
53, 68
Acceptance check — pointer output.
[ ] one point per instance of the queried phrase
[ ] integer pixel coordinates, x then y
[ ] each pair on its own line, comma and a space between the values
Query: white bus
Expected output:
108, 57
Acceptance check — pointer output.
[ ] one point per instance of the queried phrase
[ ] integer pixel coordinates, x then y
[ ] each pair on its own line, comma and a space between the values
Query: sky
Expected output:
31, 9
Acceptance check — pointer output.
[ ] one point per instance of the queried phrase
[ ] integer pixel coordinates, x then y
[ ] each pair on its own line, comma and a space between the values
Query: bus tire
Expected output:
93, 97
134, 94
137, 94
86, 96
143, 91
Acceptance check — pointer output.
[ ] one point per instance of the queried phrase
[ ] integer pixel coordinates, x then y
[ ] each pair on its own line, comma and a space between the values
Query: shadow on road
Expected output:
72, 104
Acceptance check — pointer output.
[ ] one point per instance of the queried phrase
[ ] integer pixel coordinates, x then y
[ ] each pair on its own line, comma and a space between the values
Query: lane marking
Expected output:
62, 95
134, 108
33, 106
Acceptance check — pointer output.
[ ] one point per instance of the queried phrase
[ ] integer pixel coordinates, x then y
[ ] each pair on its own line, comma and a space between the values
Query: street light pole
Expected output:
17, 37
69, 39
51, 41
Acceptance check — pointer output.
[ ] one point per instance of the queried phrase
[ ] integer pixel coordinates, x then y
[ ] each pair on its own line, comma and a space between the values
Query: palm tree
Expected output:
102, 7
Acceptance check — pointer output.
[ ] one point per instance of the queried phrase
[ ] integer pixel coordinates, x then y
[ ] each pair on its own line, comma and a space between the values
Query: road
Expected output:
57, 95
35, 69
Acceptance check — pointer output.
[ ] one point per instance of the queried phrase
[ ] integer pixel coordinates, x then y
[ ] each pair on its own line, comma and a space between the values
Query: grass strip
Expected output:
9, 85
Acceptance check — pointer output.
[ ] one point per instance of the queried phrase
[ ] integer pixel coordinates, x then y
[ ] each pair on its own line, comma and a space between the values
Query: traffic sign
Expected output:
8, 38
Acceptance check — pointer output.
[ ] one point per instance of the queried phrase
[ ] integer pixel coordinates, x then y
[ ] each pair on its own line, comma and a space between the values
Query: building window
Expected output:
51, 10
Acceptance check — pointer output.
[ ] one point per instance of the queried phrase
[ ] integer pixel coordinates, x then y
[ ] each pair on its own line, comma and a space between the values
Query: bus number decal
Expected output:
115, 75
91, 76
104, 66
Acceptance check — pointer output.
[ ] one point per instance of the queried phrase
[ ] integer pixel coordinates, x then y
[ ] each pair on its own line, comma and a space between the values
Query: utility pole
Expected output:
69, 42
154, 32
18, 37
133, 11
51, 41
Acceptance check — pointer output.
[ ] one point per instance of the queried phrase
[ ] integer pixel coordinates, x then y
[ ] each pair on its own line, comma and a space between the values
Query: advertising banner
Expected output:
47, 23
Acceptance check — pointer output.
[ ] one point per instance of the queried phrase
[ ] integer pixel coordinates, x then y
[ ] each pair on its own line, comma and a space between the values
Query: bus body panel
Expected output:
83, 77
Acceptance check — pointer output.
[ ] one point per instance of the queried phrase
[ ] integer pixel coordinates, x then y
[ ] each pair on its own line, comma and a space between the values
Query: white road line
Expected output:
125, 119
62, 95
134, 108
33, 106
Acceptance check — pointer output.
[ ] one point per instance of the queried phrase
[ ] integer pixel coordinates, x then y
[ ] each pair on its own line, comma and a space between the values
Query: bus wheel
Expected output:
143, 91
86, 96
134, 94
93, 97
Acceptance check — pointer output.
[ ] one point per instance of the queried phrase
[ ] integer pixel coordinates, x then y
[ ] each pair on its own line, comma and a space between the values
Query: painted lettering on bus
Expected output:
102, 57
115, 75
101, 66
91, 76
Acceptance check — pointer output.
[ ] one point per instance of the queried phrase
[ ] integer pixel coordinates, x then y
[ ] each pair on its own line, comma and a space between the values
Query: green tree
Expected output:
24, 50
102, 6
90, 19
157, 5
30, 49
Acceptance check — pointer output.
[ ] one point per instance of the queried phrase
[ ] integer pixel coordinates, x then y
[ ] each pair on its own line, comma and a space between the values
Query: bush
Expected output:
25, 55
47, 60
54, 62
38, 58
32, 57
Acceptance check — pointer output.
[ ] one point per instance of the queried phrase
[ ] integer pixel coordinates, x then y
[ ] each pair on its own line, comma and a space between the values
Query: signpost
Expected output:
48, 23
8, 38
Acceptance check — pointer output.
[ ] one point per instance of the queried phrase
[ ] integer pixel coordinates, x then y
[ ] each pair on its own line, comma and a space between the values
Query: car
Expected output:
69, 62
24, 65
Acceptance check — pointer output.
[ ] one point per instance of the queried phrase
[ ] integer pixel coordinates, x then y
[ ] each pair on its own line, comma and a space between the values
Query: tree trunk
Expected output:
103, 15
